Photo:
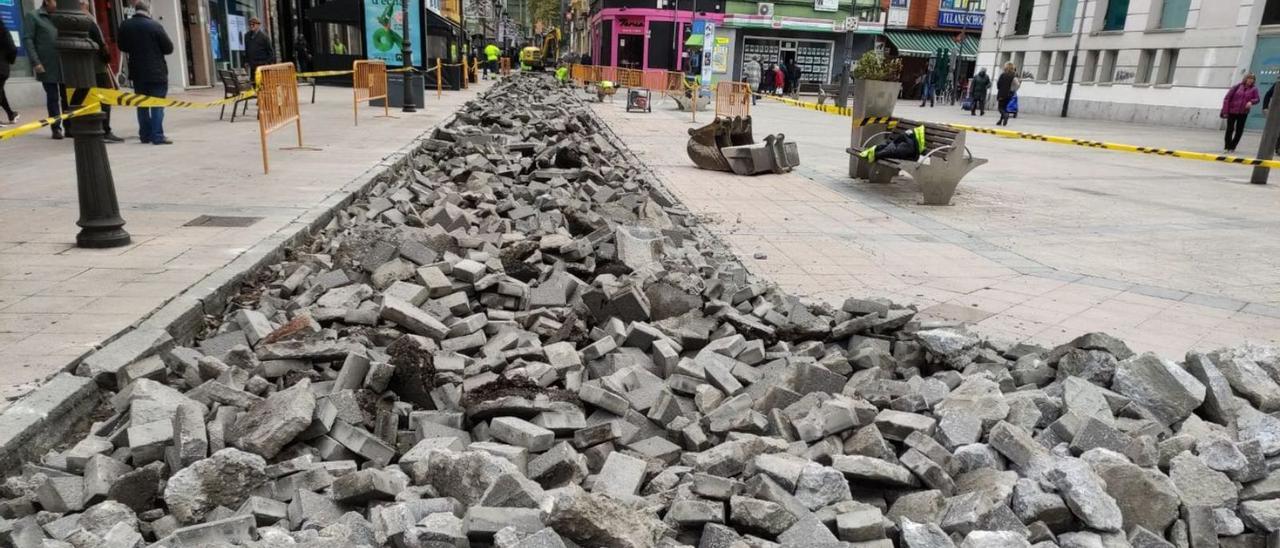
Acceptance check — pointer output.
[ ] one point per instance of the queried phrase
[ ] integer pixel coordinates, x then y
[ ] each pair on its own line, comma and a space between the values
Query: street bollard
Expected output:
100, 223
1267, 149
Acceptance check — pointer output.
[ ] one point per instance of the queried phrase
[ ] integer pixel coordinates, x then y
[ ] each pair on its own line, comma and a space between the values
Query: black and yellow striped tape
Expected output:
41, 124
1086, 143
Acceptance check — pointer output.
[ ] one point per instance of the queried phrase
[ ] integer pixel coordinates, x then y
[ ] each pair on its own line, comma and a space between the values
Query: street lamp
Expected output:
406, 59
100, 222
1075, 54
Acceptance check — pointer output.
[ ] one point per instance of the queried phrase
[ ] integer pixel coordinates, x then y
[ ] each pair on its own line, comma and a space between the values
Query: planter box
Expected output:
870, 98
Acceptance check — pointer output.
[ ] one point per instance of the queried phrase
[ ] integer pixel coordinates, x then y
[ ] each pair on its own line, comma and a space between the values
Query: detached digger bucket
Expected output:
727, 144
705, 142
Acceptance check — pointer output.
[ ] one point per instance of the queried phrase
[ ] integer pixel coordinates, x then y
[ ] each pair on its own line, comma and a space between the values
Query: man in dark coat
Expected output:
38, 36
146, 43
257, 48
978, 89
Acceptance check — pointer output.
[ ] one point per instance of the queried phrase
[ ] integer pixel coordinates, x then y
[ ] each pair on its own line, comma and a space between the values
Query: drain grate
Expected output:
222, 221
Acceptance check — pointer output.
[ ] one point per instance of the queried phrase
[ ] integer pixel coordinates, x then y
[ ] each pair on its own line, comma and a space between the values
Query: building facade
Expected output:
810, 33
917, 30
642, 34
1165, 62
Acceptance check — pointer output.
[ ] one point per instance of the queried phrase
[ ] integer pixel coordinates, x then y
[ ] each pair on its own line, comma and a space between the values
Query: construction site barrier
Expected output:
504, 66
439, 78
629, 78
278, 103
733, 99
369, 82
466, 72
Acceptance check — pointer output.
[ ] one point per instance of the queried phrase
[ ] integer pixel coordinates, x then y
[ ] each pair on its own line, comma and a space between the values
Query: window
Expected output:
1108, 66
1090, 72
1173, 13
1006, 57
1042, 70
1066, 16
1117, 12
1168, 64
1020, 62
1022, 23
1060, 67
1146, 61
1271, 15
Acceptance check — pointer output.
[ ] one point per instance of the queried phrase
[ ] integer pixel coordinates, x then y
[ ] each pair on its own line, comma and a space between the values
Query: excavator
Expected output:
542, 58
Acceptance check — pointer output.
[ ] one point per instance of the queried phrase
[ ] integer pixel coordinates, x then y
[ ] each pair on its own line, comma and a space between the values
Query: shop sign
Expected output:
960, 19
11, 14
236, 29
826, 5
384, 30
630, 25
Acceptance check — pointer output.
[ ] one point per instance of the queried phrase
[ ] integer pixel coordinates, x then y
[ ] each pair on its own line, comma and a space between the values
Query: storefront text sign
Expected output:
960, 19
826, 5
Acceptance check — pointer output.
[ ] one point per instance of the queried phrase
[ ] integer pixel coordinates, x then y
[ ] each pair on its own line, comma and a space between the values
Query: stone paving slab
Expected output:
1042, 244
58, 302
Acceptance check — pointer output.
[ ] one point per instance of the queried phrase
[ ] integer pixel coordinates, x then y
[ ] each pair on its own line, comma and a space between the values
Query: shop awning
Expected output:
694, 41
925, 43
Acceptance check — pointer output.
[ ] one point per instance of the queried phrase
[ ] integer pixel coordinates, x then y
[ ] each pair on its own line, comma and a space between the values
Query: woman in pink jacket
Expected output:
1235, 108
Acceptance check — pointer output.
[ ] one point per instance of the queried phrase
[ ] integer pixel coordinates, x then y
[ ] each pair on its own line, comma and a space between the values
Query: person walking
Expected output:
779, 80
1236, 106
257, 49
491, 53
751, 74
38, 37
793, 78
926, 96
146, 43
301, 52
102, 74
1006, 85
8, 54
978, 88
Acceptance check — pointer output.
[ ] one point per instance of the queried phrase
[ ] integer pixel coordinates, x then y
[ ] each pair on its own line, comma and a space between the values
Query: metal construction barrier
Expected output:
369, 82
278, 103
733, 99
629, 78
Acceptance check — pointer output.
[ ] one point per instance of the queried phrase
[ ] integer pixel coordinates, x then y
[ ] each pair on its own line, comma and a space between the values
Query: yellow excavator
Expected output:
542, 58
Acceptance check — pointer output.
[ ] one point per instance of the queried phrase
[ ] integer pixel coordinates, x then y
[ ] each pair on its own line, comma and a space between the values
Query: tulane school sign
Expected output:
960, 19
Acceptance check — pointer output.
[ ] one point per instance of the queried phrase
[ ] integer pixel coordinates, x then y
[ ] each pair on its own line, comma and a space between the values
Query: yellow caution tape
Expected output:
40, 124
115, 97
323, 73
1009, 134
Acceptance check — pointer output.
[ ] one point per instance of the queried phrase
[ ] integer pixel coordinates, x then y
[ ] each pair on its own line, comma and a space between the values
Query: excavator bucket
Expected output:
727, 144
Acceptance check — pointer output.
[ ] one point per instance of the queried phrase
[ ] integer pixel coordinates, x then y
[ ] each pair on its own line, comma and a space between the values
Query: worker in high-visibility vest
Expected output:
900, 146
562, 74
491, 53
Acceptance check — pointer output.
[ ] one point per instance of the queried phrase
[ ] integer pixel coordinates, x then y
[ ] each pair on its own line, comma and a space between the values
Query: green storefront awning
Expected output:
925, 43
694, 41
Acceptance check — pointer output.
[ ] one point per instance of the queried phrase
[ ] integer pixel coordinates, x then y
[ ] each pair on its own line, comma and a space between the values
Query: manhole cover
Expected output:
223, 221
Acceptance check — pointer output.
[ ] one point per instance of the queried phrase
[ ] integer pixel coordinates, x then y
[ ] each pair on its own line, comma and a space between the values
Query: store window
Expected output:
813, 56
338, 39
13, 12
1173, 13
1116, 14
1066, 16
1022, 22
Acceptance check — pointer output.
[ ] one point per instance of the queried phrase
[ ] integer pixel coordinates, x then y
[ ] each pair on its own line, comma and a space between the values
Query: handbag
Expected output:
1013, 104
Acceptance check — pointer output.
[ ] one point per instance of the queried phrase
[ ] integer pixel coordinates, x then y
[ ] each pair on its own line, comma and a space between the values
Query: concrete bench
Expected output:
938, 171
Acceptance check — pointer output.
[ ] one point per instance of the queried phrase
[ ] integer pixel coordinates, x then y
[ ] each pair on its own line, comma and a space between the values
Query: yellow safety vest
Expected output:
491, 52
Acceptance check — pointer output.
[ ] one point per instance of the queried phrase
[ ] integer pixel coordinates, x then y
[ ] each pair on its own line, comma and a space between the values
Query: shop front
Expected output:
916, 48
342, 31
814, 44
644, 38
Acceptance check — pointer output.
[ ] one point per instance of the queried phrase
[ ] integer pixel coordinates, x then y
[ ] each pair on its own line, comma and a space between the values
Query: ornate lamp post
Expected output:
406, 59
100, 222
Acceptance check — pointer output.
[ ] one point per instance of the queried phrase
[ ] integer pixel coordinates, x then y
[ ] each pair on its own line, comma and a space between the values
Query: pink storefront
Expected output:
643, 38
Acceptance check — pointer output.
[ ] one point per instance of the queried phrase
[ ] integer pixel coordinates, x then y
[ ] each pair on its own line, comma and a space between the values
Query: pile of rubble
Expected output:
519, 341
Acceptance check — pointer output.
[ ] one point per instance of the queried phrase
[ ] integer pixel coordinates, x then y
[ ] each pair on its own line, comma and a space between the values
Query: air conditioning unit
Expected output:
764, 9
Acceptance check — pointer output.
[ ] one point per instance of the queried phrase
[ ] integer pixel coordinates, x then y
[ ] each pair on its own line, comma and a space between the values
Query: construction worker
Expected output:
900, 146
491, 53
562, 74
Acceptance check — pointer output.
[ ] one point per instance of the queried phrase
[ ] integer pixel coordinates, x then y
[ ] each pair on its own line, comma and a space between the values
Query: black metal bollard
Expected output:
100, 222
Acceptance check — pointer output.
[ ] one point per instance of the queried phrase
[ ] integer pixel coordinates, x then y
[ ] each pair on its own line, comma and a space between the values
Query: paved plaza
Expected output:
58, 302
1042, 244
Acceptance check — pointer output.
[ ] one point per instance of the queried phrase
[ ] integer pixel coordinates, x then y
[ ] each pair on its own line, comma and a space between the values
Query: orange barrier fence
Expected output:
369, 82
504, 66
733, 99
629, 78
278, 103
439, 78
